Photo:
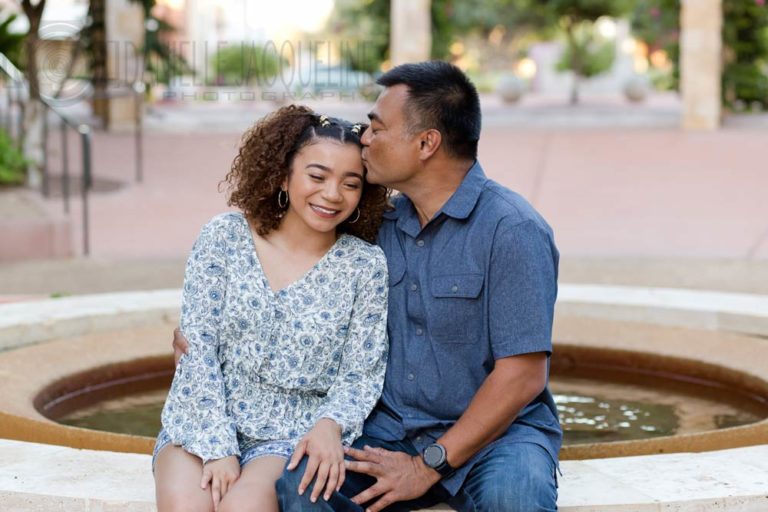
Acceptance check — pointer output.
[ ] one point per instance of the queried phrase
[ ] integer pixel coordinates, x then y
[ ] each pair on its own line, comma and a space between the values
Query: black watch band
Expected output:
435, 456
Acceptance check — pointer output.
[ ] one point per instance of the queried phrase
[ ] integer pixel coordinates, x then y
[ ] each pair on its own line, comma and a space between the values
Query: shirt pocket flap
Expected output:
464, 286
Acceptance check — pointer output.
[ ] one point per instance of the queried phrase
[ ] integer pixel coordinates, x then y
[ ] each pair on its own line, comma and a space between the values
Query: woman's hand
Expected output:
323, 446
221, 473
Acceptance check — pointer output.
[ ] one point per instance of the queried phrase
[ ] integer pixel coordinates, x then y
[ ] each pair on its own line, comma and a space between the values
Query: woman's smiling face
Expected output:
325, 184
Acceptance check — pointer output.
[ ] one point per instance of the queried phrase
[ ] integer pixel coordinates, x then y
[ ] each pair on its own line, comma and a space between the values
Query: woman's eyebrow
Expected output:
328, 169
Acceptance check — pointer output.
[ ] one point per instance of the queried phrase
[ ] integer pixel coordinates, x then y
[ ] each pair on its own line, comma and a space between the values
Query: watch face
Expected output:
434, 455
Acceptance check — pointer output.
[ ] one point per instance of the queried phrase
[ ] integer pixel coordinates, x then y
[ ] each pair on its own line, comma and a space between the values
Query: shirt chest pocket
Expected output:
455, 313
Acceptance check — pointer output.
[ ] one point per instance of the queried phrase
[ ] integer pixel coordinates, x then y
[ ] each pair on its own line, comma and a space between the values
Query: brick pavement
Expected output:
622, 192
642, 194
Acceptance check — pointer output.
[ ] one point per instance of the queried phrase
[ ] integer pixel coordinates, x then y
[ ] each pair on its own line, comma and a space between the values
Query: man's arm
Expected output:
514, 382
180, 346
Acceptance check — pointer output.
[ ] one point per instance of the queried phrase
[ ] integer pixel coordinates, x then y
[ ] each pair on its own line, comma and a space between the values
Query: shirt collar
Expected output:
463, 201
458, 206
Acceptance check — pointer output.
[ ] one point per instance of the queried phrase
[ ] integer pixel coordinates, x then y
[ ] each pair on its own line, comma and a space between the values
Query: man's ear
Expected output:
430, 142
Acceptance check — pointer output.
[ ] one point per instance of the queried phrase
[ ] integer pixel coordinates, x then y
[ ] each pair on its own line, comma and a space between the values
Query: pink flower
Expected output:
655, 10
760, 2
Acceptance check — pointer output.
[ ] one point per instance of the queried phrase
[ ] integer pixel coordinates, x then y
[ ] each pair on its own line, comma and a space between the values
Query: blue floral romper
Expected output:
264, 366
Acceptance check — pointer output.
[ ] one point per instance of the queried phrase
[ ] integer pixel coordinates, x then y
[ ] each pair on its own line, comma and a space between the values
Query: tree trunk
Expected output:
576, 61
33, 142
100, 78
574, 100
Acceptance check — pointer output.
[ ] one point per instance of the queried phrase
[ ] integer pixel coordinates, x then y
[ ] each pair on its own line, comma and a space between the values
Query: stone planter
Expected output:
510, 88
636, 89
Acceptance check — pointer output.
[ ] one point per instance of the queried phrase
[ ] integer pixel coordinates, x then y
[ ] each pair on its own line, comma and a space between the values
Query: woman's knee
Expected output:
261, 498
182, 501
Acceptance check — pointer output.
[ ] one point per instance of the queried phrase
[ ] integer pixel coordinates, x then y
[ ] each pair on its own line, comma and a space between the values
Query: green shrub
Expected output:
745, 46
13, 165
245, 64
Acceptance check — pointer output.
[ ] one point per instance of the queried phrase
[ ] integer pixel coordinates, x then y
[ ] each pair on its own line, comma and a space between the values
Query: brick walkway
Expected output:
622, 192
638, 193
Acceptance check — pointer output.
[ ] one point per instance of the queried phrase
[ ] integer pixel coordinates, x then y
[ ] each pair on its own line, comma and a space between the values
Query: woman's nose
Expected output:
331, 192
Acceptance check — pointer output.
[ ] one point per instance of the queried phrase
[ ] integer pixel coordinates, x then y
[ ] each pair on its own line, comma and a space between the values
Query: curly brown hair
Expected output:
265, 158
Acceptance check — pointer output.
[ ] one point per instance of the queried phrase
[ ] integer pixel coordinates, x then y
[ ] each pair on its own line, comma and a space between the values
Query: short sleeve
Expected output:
522, 289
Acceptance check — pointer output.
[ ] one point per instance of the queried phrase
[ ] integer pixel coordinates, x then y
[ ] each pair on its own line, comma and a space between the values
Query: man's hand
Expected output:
399, 476
221, 474
180, 346
326, 459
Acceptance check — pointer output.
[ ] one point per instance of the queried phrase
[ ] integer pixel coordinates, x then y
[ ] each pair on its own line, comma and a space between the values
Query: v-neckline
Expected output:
265, 279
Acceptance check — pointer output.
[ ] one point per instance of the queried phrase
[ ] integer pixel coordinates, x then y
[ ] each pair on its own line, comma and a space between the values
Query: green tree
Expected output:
369, 20
161, 62
245, 64
587, 55
657, 23
745, 46
11, 43
12, 162
455, 19
745, 63
584, 55
362, 21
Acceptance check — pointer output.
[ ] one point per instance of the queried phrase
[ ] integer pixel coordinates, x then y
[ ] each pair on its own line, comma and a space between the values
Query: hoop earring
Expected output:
356, 218
282, 199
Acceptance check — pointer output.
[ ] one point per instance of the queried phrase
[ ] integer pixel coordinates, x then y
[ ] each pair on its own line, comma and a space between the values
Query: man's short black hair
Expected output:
440, 96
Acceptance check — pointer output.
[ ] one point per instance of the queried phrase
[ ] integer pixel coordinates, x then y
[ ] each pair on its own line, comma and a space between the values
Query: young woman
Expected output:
284, 308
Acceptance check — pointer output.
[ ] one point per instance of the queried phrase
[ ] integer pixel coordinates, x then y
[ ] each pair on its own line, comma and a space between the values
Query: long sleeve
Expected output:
195, 414
360, 379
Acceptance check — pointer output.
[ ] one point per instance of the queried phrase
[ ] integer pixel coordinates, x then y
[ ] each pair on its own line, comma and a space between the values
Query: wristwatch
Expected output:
436, 458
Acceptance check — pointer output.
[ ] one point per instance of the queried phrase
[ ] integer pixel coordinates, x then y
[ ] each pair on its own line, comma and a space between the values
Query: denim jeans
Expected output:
516, 477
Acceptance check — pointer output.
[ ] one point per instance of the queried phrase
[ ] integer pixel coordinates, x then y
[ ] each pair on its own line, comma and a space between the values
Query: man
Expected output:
465, 416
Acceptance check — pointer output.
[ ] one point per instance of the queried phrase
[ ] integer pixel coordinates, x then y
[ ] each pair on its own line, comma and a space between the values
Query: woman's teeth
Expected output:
324, 211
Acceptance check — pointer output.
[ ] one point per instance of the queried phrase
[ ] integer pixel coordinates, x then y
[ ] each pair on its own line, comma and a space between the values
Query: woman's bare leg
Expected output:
254, 491
177, 482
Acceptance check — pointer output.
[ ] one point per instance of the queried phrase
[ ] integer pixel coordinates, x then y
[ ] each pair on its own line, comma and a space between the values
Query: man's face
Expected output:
390, 154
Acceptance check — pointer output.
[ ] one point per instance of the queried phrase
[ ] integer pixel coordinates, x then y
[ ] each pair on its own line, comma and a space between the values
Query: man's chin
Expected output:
372, 177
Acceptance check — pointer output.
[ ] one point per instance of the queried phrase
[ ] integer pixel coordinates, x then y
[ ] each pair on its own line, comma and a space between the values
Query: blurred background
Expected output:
637, 127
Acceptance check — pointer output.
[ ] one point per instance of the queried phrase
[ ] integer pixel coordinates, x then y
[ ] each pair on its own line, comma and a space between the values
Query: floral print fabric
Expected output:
266, 365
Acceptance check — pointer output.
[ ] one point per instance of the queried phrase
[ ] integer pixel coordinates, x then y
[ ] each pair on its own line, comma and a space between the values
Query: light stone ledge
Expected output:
37, 477
27, 323
709, 310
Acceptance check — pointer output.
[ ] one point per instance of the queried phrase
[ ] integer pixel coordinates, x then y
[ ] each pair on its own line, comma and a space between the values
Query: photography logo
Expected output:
59, 85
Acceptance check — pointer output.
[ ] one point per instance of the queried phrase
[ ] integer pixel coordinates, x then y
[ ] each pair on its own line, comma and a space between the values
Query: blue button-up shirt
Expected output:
475, 284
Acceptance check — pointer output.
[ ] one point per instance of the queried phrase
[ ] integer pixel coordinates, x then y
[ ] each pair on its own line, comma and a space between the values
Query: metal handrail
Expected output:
17, 78
85, 132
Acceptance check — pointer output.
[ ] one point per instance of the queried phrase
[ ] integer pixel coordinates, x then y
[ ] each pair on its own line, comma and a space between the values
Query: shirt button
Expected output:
420, 243
411, 376
414, 287
419, 332
455, 288
418, 439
